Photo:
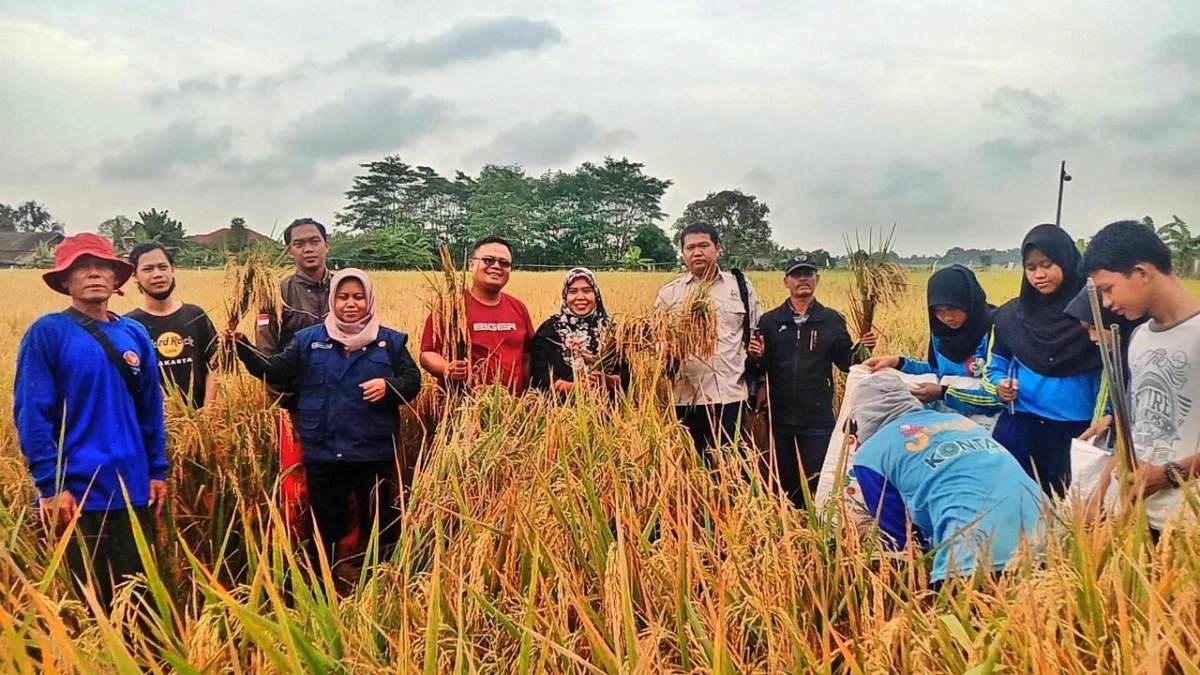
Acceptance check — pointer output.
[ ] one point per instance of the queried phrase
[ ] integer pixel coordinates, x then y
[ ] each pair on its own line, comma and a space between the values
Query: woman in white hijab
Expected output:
352, 375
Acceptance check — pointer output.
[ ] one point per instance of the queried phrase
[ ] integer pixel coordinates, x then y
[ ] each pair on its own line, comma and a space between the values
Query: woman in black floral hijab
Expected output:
568, 344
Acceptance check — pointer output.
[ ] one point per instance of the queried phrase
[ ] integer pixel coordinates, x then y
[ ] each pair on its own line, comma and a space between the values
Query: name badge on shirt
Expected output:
321, 345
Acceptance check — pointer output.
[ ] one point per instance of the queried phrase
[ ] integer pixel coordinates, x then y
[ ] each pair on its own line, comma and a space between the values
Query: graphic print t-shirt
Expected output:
186, 343
1164, 383
500, 337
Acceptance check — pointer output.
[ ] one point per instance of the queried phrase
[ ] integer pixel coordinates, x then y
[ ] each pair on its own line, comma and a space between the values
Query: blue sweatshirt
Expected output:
63, 375
1063, 399
973, 401
963, 492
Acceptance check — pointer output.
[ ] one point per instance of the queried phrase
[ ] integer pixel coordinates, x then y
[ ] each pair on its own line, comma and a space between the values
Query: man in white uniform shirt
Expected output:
710, 395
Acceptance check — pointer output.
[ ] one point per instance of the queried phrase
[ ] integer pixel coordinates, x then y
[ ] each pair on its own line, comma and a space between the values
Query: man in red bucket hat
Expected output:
89, 417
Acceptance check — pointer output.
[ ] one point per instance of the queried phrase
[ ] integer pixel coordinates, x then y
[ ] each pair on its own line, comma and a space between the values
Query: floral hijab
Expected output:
580, 336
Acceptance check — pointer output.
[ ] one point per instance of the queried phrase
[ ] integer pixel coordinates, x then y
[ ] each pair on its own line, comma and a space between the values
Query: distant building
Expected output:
20, 249
222, 238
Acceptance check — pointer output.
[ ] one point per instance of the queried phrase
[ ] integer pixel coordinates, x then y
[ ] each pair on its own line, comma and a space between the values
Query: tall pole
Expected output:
1063, 178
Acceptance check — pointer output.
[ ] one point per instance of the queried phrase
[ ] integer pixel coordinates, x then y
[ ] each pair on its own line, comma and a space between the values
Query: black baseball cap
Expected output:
800, 262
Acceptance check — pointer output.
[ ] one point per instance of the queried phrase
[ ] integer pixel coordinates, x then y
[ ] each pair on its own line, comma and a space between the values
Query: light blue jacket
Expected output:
973, 401
963, 493
1064, 399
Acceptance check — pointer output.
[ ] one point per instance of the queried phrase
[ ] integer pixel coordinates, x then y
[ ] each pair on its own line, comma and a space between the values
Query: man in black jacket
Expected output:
802, 340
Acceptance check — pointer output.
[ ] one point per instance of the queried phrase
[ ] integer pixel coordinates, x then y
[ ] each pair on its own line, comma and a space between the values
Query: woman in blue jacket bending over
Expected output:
960, 325
351, 375
1043, 366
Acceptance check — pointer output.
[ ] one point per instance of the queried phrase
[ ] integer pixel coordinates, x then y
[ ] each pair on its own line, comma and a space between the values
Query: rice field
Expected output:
578, 537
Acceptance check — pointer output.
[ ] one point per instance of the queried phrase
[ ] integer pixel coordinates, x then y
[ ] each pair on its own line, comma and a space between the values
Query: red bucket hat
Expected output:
73, 248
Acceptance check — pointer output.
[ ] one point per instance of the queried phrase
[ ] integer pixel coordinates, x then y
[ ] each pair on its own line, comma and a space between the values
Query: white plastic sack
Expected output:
839, 459
1087, 462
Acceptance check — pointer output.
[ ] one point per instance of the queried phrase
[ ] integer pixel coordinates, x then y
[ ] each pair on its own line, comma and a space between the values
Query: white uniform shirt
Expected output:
722, 379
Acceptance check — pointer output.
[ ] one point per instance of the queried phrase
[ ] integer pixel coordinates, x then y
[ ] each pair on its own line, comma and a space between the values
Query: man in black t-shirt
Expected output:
183, 335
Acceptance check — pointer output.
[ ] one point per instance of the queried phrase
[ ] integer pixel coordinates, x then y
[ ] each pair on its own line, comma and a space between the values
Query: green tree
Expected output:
237, 235
400, 246
1184, 247
655, 244
121, 231
619, 199
28, 217
591, 215
505, 203
155, 225
741, 221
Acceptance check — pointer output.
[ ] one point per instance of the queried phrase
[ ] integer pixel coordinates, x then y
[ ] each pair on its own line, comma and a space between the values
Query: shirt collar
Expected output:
813, 308
307, 280
691, 278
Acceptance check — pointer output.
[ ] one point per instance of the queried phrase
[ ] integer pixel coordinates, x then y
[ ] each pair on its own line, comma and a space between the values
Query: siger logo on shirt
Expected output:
494, 327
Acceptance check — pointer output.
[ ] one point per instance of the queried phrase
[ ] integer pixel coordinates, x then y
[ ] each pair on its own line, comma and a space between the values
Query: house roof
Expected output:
221, 237
18, 248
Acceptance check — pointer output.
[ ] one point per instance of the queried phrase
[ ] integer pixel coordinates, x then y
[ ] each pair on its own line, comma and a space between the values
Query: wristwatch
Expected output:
1175, 474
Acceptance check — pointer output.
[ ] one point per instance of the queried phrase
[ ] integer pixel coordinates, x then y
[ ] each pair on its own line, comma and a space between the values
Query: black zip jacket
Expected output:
799, 364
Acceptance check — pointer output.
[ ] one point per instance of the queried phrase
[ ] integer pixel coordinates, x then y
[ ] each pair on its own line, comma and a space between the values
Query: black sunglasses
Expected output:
488, 261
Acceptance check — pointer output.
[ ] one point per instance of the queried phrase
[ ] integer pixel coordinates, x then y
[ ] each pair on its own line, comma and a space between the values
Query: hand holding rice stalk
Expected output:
678, 334
250, 285
877, 280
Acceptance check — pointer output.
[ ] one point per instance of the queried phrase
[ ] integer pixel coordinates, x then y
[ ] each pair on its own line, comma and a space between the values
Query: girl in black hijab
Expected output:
960, 324
1043, 366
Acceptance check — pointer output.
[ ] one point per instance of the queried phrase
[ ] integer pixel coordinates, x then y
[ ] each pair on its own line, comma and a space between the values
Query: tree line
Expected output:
604, 215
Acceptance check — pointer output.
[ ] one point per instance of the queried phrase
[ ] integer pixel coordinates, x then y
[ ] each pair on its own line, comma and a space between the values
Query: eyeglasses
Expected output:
488, 261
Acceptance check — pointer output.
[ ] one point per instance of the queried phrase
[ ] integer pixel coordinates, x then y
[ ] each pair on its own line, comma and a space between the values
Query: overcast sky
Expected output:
947, 118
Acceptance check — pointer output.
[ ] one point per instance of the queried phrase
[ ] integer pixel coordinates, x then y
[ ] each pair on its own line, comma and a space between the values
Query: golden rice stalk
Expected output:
448, 308
688, 331
877, 279
252, 285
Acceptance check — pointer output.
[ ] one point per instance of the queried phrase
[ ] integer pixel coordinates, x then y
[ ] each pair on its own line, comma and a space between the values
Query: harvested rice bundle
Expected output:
689, 331
877, 279
250, 285
448, 308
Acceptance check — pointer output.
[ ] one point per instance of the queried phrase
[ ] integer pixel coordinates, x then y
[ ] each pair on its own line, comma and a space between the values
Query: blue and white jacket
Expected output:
972, 401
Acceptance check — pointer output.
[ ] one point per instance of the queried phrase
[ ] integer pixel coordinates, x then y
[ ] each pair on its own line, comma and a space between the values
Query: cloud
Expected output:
1157, 122
1178, 162
193, 88
465, 42
555, 138
154, 154
1037, 110
469, 41
758, 179
903, 190
272, 171
1182, 48
1010, 154
365, 120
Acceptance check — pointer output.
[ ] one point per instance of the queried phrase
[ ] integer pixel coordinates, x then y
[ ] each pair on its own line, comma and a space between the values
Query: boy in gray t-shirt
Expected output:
1132, 269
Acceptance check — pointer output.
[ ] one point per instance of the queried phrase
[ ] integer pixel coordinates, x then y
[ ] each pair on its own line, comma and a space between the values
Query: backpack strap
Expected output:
744, 292
110, 350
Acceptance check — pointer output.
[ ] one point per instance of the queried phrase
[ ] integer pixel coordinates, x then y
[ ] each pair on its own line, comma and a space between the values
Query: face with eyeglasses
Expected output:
491, 266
